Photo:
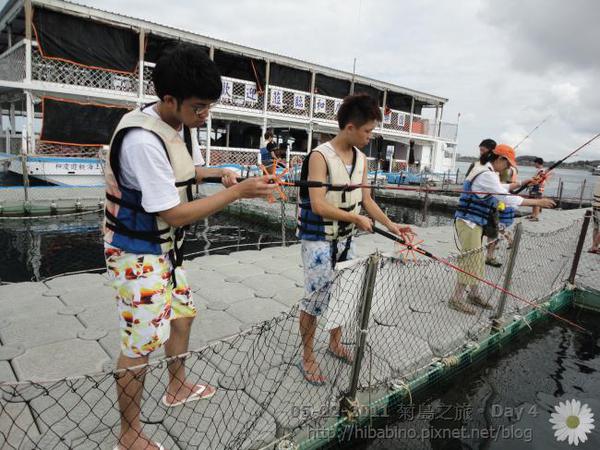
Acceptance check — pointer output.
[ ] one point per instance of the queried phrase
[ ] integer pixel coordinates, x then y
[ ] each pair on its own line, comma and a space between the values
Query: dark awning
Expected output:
241, 67
85, 42
69, 122
400, 102
369, 90
289, 77
332, 87
156, 45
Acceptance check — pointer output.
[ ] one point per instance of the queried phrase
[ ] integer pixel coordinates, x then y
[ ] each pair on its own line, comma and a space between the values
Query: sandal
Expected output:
477, 300
344, 358
192, 398
158, 444
305, 374
493, 262
462, 307
533, 219
594, 251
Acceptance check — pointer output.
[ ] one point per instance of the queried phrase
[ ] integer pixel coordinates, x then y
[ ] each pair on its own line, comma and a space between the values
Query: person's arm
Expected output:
187, 213
317, 171
375, 212
489, 182
228, 177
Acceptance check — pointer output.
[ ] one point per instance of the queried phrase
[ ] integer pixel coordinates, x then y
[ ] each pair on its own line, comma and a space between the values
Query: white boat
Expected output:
596, 170
75, 172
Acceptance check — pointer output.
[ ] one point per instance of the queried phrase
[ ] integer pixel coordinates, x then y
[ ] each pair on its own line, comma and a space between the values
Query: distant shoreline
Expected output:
572, 166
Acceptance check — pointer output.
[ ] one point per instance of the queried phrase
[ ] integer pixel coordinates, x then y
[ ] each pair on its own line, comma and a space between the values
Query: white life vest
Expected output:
314, 227
127, 225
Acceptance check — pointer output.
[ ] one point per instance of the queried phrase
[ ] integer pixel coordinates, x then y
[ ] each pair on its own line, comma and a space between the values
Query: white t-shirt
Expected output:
146, 168
489, 181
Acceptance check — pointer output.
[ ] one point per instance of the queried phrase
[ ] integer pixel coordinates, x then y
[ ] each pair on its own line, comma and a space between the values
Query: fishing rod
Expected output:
350, 187
532, 131
558, 163
419, 250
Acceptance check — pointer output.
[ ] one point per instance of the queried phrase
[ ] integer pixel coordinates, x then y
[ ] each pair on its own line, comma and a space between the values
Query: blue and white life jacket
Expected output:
127, 225
507, 216
313, 227
471, 206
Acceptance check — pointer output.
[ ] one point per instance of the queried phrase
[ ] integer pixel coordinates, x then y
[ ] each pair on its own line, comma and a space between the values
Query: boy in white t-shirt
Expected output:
150, 170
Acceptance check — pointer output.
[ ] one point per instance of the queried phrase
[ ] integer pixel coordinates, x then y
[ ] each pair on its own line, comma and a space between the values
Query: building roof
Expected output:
12, 11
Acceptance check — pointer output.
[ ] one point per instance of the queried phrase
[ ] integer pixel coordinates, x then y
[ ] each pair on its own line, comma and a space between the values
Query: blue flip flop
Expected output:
304, 373
344, 359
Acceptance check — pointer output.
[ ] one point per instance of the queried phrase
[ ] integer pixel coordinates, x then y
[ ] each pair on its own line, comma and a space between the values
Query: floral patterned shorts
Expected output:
147, 301
319, 273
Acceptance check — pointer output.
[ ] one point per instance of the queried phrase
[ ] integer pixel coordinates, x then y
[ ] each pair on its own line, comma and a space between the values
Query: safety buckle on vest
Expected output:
278, 181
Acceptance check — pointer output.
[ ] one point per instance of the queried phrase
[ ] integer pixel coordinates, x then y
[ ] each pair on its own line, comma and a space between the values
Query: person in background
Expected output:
267, 152
506, 219
537, 188
476, 212
596, 217
486, 146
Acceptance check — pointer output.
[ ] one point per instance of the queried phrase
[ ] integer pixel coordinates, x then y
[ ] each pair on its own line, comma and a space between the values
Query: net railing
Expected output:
325, 108
261, 395
448, 131
62, 72
396, 120
241, 94
12, 63
287, 101
245, 157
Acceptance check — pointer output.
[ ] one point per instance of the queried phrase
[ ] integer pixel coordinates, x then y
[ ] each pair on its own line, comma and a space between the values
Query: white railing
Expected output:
397, 121
238, 95
448, 131
241, 94
288, 101
230, 155
326, 108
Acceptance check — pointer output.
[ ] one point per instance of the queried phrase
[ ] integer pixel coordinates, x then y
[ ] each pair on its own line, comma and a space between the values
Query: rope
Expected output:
483, 280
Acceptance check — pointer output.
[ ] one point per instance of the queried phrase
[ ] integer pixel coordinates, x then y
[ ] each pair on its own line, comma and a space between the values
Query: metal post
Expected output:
439, 124
383, 111
348, 403
30, 115
579, 248
435, 121
512, 257
582, 192
142, 48
560, 194
283, 221
24, 151
412, 113
426, 203
28, 37
457, 171
211, 55
287, 156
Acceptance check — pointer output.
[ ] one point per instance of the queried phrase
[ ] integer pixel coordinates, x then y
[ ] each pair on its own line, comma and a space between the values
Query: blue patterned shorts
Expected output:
319, 273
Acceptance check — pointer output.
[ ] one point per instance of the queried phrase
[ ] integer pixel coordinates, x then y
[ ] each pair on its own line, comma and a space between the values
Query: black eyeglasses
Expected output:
201, 107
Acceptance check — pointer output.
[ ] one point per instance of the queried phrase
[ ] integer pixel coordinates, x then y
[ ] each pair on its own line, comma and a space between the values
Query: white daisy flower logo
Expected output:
572, 420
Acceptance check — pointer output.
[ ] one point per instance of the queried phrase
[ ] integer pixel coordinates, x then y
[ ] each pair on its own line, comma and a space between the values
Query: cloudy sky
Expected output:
505, 65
